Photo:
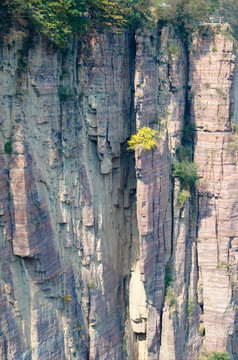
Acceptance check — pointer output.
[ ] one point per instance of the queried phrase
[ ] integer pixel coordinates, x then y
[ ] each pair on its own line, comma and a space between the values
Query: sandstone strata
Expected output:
217, 200
88, 231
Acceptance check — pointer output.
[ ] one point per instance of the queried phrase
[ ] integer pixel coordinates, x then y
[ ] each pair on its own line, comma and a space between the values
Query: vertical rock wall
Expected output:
68, 212
194, 244
160, 91
90, 233
212, 67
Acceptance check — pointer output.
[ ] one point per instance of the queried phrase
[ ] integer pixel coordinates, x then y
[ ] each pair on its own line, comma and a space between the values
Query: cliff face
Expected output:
90, 232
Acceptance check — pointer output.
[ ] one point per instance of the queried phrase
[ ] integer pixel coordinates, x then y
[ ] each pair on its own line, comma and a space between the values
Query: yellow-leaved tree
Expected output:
144, 139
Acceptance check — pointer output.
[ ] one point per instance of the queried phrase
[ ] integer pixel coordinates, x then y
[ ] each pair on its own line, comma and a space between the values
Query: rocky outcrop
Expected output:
211, 83
160, 101
90, 233
68, 215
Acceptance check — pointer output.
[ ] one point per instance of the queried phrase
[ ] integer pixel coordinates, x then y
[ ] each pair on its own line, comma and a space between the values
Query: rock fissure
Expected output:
95, 227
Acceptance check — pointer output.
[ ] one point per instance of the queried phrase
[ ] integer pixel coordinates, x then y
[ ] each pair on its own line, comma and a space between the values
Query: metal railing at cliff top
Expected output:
213, 20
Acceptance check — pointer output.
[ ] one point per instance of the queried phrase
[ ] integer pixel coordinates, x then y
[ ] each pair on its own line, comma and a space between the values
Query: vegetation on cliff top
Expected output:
60, 19
187, 14
184, 14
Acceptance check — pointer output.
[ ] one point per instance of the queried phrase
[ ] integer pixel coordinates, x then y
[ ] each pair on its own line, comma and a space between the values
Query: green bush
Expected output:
214, 49
188, 134
232, 147
190, 307
187, 173
201, 329
234, 126
65, 93
168, 279
91, 285
182, 197
170, 297
219, 356
184, 153
215, 356
173, 50
170, 300
221, 93
8, 147
144, 139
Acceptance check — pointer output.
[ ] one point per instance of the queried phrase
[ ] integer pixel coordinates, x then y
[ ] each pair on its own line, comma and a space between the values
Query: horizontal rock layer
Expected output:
90, 232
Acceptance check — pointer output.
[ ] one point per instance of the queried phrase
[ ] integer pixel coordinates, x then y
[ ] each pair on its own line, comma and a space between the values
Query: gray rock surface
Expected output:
89, 230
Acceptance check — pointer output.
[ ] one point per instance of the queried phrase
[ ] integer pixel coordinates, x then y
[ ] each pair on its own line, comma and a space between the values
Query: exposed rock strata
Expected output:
217, 209
86, 231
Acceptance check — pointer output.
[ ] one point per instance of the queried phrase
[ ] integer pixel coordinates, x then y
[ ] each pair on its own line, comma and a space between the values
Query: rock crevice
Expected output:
98, 260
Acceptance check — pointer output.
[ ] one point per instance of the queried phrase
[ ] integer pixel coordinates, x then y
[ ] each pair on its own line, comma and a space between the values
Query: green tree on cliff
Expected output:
184, 14
57, 19
60, 19
229, 9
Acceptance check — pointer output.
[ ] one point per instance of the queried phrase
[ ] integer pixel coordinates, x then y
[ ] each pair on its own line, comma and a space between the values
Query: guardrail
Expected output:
213, 20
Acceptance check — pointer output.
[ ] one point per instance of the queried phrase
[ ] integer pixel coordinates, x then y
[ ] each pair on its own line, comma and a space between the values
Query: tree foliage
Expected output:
184, 14
182, 197
186, 171
8, 147
229, 9
215, 356
190, 307
187, 14
144, 139
219, 356
60, 19
57, 19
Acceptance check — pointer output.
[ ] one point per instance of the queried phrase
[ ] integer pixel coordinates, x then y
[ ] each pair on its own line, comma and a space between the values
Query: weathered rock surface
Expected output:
217, 201
89, 233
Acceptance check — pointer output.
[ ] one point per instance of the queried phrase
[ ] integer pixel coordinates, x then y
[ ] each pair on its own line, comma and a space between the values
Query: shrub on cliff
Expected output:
190, 307
8, 147
182, 197
168, 278
219, 356
215, 356
145, 139
186, 171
